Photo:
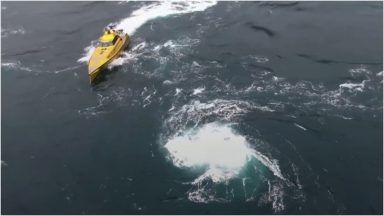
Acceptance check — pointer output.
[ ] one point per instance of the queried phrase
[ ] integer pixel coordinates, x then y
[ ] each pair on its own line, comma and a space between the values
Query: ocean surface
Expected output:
215, 108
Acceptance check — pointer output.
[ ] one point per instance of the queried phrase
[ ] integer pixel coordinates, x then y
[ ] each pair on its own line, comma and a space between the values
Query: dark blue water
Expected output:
215, 108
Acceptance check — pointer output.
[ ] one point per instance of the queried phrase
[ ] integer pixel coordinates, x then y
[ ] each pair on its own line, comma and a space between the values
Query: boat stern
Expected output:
93, 75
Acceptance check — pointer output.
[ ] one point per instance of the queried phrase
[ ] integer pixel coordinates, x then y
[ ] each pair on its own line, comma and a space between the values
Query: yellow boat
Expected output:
109, 47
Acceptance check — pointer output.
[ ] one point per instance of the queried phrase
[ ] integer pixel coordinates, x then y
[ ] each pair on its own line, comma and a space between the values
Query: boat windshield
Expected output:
107, 40
105, 44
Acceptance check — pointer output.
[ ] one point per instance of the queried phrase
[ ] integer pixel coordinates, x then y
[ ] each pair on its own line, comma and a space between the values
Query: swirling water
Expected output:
215, 108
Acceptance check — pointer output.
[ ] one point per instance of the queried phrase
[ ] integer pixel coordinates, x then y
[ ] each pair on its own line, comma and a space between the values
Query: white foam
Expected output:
180, 46
139, 46
88, 53
167, 82
344, 117
8, 32
172, 108
9, 64
221, 155
353, 86
170, 44
161, 9
217, 148
130, 55
275, 196
211, 145
260, 59
133, 54
346, 96
300, 126
198, 90
194, 63
177, 91
362, 70
16, 65
277, 79
255, 58
224, 110
67, 69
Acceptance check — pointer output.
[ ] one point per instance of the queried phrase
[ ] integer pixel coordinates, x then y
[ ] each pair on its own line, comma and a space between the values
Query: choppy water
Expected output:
216, 108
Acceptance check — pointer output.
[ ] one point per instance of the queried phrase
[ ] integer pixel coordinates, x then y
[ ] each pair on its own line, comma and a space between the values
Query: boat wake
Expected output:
149, 12
10, 32
161, 9
16, 65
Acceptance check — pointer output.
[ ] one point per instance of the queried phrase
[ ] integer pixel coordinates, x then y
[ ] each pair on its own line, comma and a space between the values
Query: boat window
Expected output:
115, 39
105, 44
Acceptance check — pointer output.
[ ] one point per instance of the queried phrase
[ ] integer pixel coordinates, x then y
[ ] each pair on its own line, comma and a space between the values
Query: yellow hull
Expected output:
93, 75
103, 55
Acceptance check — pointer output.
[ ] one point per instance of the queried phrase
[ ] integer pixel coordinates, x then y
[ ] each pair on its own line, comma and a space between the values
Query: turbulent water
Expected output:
215, 108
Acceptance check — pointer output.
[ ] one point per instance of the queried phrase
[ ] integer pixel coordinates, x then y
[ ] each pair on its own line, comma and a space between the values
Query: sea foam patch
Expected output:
9, 32
213, 146
219, 151
17, 65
